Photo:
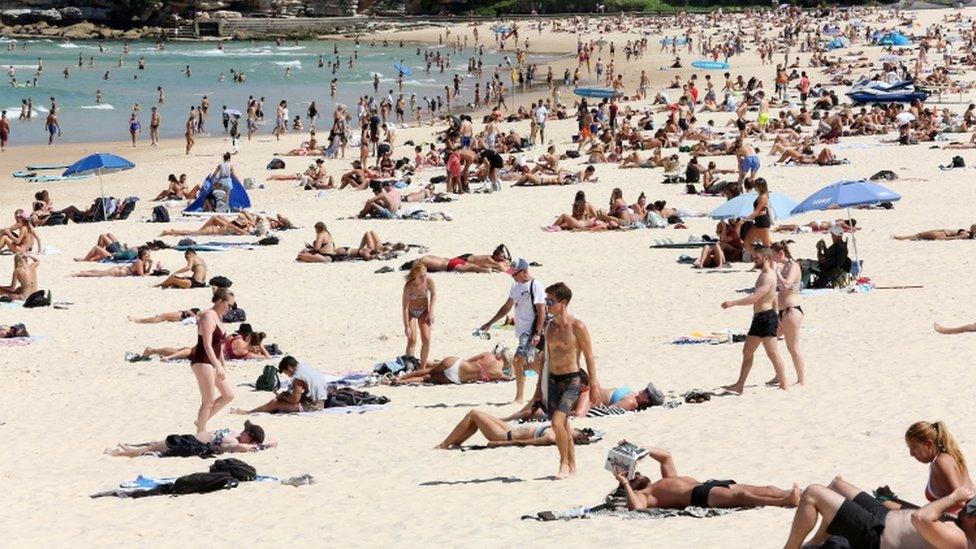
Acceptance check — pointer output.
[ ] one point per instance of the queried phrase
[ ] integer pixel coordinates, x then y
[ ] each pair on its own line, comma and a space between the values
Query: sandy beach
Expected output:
874, 363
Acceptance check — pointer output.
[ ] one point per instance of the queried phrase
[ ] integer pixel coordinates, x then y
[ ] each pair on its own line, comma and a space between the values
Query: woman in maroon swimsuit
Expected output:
207, 361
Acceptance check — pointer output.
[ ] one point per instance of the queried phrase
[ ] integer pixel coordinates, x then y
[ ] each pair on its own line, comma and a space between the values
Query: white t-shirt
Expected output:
525, 302
540, 114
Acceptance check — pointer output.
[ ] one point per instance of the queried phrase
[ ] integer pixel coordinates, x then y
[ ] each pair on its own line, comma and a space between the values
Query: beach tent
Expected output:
239, 200
836, 44
895, 39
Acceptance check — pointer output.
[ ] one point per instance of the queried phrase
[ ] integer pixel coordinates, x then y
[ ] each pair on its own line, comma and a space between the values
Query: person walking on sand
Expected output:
4, 130
207, 362
419, 295
528, 298
566, 338
765, 324
190, 129
154, 121
788, 300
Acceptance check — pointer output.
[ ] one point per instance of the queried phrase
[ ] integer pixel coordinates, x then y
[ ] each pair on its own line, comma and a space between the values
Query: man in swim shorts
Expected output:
4, 130
528, 296
566, 338
679, 492
194, 265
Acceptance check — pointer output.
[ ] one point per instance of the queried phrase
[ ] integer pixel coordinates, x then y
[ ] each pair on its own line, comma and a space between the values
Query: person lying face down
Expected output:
221, 441
674, 491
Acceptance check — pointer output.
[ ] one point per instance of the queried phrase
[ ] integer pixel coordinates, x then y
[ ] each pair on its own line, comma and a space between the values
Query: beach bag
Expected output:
234, 315
236, 468
276, 164
268, 380
957, 162
40, 298
160, 214
187, 446
347, 396
572, 154
56, 218
221, 282
203, 483
268, 241
884, 175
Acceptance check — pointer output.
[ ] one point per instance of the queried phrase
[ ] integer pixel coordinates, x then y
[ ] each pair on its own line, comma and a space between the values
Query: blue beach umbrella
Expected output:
847, 194
99, 163
779, 204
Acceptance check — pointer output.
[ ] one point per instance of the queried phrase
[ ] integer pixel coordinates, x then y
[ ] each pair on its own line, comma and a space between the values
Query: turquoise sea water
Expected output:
265, 64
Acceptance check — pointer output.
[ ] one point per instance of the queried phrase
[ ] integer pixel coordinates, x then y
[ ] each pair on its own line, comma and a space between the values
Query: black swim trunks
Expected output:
861, 521
699, 494
764, 324
194, 283
564, 390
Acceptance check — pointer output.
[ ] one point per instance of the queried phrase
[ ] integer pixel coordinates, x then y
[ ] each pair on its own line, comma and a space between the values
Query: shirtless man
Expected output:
195, 265
191, 124
355, 178
765, 324
678, 492
863, 521
467, 157
384, 204
484, 367
566, 338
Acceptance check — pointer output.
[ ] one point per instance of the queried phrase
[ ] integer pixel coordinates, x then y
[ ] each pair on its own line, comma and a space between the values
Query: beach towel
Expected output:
146, 481
337, 411
18, 341
616, 506
597, 436
667, 243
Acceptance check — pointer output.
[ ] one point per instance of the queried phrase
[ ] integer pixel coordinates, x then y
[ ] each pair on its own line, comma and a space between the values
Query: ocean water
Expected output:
264, 63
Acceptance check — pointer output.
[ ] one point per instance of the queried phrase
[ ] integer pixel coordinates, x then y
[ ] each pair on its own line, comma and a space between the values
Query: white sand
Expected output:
874, 363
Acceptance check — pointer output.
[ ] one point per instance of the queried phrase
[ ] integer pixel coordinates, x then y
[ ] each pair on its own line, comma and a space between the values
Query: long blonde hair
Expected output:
938, 434
415, 270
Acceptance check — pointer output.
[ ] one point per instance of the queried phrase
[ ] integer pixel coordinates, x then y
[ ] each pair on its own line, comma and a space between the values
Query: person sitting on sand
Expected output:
21, 237
620, 212
499, 433
932, 443
315, 177
861, 520
357, 177
221, 441
143, 266
483, 367
941, 234
176, 190
385, 203
23, 281
175, 316
109, 247
673, 491
309, 391
848, 225
582, 217
196, 266
806, 156
324, 250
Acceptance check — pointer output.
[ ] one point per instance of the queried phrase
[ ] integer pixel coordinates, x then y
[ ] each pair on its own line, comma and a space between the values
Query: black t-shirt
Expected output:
834, 257
494, 159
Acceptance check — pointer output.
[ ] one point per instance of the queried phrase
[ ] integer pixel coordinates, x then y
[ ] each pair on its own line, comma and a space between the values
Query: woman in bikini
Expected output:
141, 267
207, 362
761, 220
619, 213
582, 217
245, 346
788, 300
23, 282
933, 444
324, 250
500, 433
484, 367
217, 225
498, 261
849, 226
941, 234
175, 316
419, 295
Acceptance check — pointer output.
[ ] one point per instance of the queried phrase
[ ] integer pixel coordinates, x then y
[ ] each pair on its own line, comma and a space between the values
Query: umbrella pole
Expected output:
101, 189
854, 242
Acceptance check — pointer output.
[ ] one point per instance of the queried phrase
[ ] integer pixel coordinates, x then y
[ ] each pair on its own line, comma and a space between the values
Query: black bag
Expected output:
56, 218
40, 298
221, 282
438, 179
187, 446
572, 154
236, 468
273, 349
268, 380
203, 483
160, 214
234, 315
276, 164
957, 162
269, 240
347, 396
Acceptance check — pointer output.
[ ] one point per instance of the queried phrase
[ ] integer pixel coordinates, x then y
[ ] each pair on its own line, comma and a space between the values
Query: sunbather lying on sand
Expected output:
849, 226
245, 344
15, 330
324, 250
143, 266
481, 367
941, 234
497, 262
221, 441
216, 225
500, 433
108, 247
175, 316
678, 492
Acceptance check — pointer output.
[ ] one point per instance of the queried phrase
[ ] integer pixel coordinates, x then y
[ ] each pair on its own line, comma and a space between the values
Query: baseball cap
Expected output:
836, 229
519, 264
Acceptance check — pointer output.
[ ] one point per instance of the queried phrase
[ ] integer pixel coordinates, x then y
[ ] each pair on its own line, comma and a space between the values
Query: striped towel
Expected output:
604, 410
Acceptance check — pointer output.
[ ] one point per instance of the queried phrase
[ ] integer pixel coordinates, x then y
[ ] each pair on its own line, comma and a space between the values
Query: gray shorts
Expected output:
525, 348
383, 213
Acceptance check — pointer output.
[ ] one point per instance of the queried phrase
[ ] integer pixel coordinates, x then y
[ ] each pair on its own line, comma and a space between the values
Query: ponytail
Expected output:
939, 436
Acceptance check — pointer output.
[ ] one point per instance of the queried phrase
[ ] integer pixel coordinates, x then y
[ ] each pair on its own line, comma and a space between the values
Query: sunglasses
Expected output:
549, 302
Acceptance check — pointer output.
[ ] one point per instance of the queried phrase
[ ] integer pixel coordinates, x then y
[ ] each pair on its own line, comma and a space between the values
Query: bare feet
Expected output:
940, 328
793, 499
238, 411
564, 472
734, 388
